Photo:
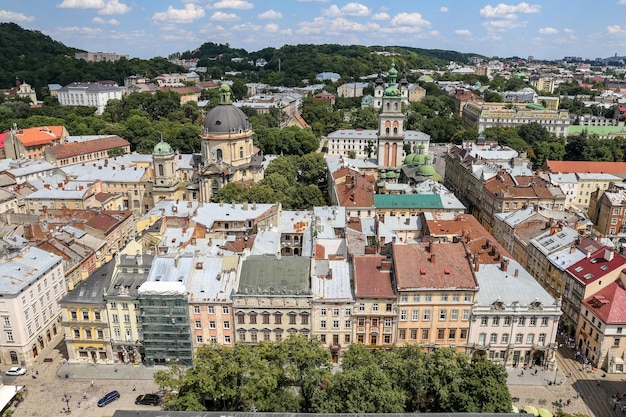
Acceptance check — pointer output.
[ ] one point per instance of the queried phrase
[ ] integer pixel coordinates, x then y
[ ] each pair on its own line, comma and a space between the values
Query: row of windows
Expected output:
506, 321
278, 318
424, 334
443, 315
212, 324
88, 334
428, 298
200, 339
211, 310
335, 311
504, 338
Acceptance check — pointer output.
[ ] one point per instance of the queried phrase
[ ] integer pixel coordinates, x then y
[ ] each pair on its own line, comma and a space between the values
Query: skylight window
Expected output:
579, 268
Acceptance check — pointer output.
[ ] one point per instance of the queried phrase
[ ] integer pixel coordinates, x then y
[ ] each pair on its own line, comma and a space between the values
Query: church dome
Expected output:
162, 148
225, 118
408, 160
427, 170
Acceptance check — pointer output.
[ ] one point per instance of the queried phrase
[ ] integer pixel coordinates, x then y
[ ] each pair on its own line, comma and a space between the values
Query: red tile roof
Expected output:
357, 189
432, 265
67, 150
596, 265
107, 221
370, 280
615, 168
609, 304
3, 136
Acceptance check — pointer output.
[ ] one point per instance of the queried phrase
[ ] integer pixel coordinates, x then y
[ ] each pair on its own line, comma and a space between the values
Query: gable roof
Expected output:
609, 304
596, 265
67, 150
615, 168
371, 279
39, 135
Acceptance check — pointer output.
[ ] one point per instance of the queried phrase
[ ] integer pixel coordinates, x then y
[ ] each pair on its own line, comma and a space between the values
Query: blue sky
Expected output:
148, 28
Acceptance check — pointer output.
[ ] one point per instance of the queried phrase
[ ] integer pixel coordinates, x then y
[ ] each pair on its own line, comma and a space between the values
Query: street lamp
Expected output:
66, 398
556, 366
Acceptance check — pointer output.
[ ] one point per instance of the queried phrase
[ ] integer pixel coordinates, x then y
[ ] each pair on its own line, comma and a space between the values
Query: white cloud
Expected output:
114, 7
616, 30
409, 19
508, 11
224, 17
270, 14
313, 1
381, 16
570, 31
548, 31
81, 4
271, 28
100, 21
85, 31
9, 16
443, 9
334, 27
350, 9
463, 32
623, 2
186, 15
233, 4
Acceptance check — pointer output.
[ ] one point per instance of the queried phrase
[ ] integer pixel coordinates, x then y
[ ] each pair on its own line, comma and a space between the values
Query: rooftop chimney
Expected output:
477, 265
516, 273
608, 255
432, 258
504, 264
330, 274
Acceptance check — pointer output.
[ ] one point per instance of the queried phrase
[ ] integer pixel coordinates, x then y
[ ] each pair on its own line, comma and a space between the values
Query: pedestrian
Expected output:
92, 382
536, 371
570, 374
79, 404
37, 372
85, 395
134, 388
569, 401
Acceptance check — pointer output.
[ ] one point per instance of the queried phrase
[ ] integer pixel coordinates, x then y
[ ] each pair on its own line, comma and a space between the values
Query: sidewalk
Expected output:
99, 371
542, 377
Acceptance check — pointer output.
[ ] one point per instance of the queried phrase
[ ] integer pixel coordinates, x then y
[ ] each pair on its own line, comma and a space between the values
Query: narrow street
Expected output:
588, 391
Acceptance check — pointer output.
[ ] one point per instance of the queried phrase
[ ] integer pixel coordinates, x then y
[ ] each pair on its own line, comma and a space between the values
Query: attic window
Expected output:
446, 271
604, 267
588, 276
578, 268
423, 271
217, 123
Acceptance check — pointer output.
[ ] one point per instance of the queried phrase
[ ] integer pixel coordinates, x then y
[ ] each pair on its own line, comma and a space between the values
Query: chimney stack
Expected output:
476, 265
516, 273
504, 264
432, 258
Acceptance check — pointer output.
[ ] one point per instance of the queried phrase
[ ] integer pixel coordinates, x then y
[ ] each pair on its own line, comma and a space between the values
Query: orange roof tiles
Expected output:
39, 135
432, 266
615, 168
371, 280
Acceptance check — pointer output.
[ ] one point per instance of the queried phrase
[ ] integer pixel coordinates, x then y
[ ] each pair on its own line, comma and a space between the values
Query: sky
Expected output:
544, 29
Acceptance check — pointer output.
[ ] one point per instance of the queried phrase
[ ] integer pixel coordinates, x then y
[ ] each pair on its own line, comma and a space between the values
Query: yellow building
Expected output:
85, 319
436, 290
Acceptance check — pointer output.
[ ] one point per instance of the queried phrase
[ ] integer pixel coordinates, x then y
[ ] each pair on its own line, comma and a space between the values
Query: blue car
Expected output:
109, 398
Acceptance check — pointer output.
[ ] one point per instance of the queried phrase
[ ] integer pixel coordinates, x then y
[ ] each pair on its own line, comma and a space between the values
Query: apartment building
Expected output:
480, 116
600, 328
375, 313
31, 285
273, 298
332, 304
90, 94
85, 319
436, 290
514, 320
586, 277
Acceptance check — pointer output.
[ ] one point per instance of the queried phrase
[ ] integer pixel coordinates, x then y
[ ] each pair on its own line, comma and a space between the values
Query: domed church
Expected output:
228, 153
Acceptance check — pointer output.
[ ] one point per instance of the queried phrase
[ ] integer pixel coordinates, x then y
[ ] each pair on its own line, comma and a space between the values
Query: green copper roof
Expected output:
407, 201
162, 148
427, 170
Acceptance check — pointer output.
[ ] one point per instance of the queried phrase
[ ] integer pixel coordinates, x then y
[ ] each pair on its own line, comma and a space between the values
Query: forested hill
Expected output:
298, 62
39, 60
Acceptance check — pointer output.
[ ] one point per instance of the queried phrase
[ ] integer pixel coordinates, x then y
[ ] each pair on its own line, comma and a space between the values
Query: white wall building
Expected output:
32, 281
89, 94
514, 321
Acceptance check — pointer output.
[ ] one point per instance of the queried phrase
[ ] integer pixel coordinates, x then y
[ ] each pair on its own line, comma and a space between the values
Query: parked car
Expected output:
109, 398
15, 371
148, 399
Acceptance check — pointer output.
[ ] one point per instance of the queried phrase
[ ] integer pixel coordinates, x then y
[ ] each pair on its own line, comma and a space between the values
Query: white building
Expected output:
89, 94
32, 281
514, 321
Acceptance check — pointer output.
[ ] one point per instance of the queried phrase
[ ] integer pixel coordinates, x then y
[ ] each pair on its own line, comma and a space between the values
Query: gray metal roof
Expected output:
497, 284
91, 291
21, 268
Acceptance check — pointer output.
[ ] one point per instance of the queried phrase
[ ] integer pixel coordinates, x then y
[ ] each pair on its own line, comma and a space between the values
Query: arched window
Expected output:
219, 154
395, 130
161, 170
241, 151
396, 106
387, 131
